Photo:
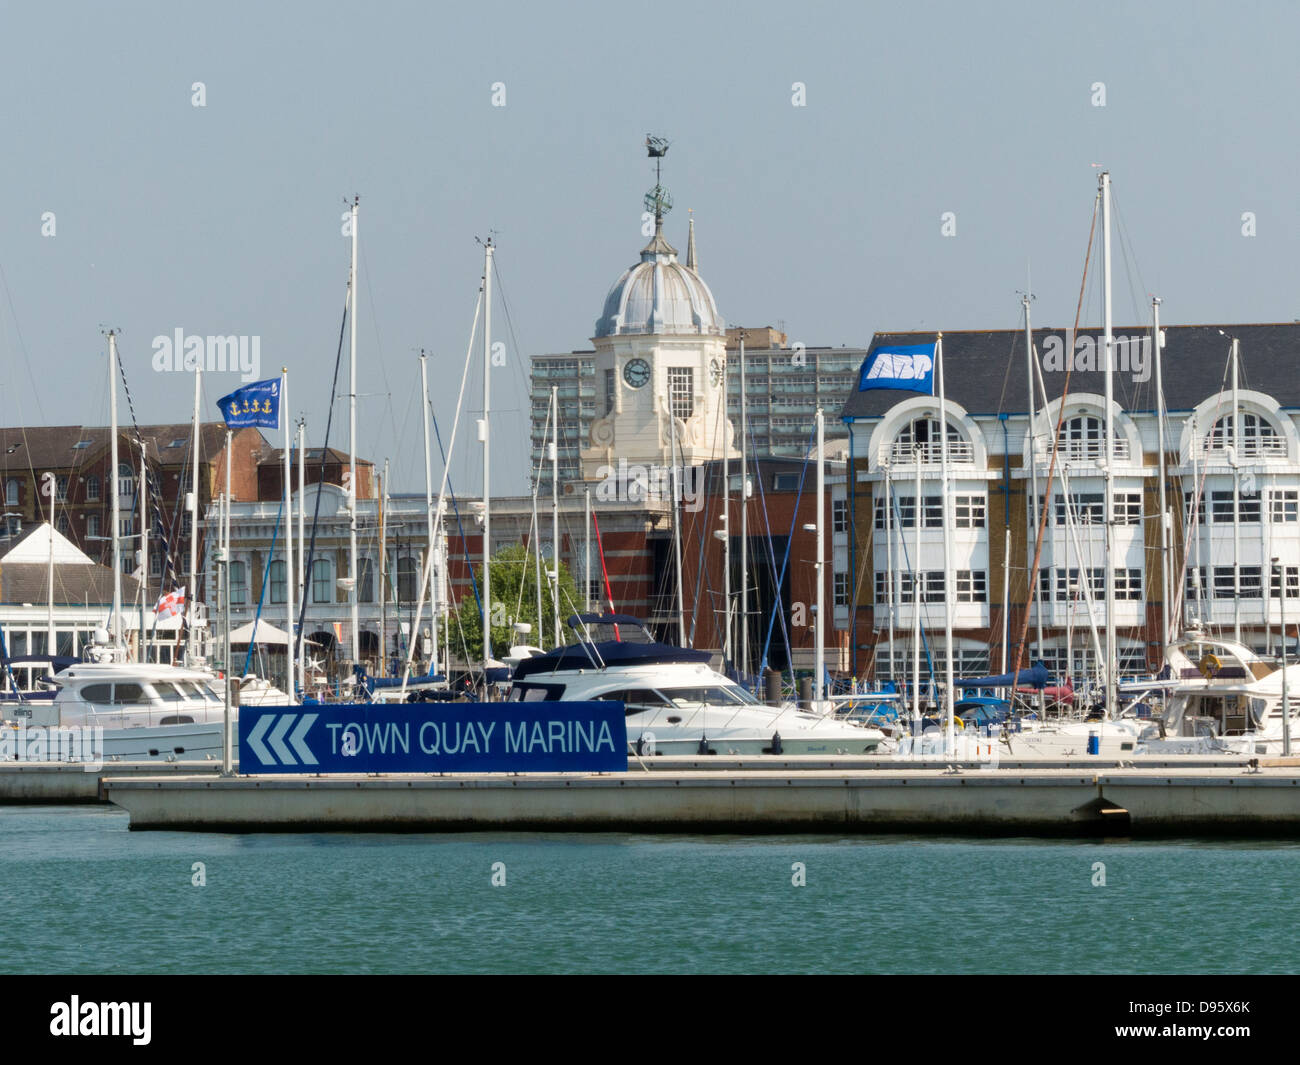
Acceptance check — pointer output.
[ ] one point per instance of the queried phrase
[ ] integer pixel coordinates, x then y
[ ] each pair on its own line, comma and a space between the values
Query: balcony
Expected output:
961, 452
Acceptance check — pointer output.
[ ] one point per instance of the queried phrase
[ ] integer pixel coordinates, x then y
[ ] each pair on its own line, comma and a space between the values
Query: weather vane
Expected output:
657, 199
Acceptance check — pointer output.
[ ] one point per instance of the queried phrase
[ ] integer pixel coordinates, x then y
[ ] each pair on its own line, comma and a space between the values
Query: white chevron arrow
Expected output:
255, 739
296, 740
277, 739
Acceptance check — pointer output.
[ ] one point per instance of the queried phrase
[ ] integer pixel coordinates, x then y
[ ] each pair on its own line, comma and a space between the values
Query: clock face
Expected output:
715, 372
636, 373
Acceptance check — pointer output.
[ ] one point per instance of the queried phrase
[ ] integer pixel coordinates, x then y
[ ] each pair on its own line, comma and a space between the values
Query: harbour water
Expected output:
82, 894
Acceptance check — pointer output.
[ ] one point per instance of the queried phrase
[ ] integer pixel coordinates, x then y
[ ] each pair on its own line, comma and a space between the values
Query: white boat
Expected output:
675, 703
148, 712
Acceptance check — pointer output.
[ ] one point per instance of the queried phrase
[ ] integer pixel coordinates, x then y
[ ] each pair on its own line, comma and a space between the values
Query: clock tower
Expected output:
660, 359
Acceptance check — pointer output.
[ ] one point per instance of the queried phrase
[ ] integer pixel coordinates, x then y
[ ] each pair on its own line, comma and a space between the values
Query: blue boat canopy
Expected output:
1036, 676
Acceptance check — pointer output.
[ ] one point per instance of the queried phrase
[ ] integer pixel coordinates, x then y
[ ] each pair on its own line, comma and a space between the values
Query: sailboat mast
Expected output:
555, 510
383, 573
352, 444
726, 525
744, 524
302, 542
1033, 469
1236, 501
428, 508
192, 598
949, 588
819, 623
288, 532
677, 531
484, 433
1108, 572
115, 515
586, 551
1166, 569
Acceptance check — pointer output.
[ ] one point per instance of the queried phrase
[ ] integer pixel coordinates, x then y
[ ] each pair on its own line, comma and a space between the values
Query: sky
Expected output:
852, 168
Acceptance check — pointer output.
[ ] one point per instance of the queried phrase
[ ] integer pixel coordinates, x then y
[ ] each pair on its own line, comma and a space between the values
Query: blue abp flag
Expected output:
255, 404
909, 367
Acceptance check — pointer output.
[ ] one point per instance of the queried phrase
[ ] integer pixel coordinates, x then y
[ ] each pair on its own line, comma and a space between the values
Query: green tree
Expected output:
514, 599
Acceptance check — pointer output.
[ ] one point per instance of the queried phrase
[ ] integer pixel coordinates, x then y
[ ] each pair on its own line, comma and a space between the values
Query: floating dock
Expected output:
72, 782
1237, 800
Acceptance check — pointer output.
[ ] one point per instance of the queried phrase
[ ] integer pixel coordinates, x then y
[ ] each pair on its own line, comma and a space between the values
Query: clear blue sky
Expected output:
225, 219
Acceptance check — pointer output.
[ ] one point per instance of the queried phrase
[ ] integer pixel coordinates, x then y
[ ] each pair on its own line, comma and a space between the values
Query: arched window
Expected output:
1258, 438
408, 579
125, 481
238, 582
278, 587
366, 589
11, 492
923, 434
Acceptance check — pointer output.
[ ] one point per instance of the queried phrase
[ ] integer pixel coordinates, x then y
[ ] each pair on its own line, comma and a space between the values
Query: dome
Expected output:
659, 295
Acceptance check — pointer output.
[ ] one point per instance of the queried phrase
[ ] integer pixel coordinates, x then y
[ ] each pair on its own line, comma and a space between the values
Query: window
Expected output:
321, 579
125, 481
1292, 583
923, 435
1128, 583
81, 445
92, 524
155, 564
279, 589
125, 526
1086, 508
408, 579
366, 587
1196, 586
841, 589
972, 586
903, 516
1221, 507
92, 488
1128, 508
595, 590
62, 524
1247, 578
11, 492
1194, 513
839, 515
1257, 438
930, 585
238, 582
1068, 584
61, 488
968, 512
1282, 505
681, 391
611, 383
1081, 438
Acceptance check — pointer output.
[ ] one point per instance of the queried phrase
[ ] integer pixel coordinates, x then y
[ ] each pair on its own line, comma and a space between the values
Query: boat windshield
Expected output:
169, 692
712, 695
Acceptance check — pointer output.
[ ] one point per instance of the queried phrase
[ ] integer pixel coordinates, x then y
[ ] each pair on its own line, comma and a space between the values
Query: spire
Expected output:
691, 261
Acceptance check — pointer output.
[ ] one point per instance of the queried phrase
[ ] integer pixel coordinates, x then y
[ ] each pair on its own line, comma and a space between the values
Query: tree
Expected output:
514, 599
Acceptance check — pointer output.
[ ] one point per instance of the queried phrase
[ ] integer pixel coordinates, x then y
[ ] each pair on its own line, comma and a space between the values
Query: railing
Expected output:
1083, 450
1257, 447
960, 451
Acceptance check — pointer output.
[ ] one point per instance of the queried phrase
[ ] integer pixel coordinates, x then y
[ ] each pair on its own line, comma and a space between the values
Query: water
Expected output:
82, 894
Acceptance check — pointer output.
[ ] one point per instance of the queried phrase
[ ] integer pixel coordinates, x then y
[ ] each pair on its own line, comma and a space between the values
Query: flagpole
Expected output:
288, 531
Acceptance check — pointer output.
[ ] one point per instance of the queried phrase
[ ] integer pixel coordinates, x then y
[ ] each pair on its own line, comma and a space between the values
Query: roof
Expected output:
272, 456
55, 446
984, 370
37, 542
74, 585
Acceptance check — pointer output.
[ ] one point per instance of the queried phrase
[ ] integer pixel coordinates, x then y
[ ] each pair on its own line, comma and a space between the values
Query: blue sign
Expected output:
434, 738
909, 367
256, 404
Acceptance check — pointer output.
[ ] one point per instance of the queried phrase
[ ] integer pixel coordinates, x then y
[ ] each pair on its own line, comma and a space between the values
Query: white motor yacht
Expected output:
675, 703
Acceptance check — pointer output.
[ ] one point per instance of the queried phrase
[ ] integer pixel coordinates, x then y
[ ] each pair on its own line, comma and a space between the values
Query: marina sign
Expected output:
433, 738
